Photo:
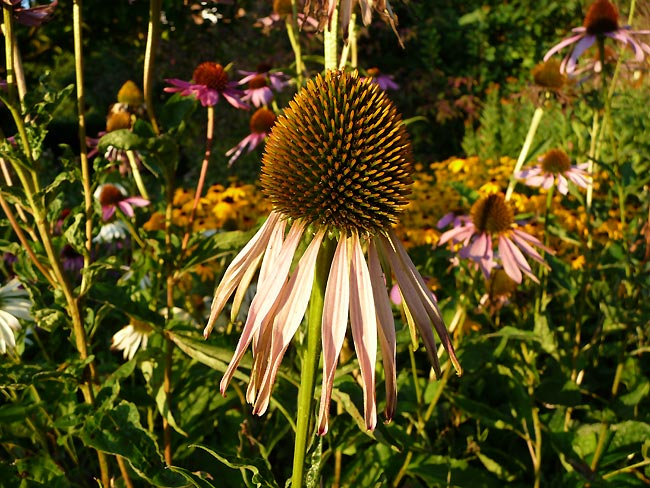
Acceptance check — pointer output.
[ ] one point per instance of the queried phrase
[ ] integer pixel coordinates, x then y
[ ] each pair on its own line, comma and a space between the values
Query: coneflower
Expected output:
337, 168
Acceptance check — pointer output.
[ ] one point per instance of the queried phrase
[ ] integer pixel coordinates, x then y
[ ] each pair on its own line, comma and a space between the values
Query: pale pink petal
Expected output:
264, 300
273, 246
363, 322
125, 208
513, 260
293, 303
238, 268
387, 338
335, 322
458, 234
561, 45
137, 201
412, 302
562, 184
427, 299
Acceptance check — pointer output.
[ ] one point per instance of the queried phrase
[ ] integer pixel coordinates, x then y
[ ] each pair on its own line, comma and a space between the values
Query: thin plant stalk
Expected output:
310, 359
523, 154
153, 39
83, 148
331, 42
292, 32
137, 177
209, 136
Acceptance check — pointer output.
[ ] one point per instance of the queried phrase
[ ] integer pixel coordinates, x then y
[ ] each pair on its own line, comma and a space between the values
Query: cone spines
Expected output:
339, 156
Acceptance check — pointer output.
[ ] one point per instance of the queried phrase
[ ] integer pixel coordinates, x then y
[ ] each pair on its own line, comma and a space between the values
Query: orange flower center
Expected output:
211, 75
556, 161
601, 18
492, 214
282, 7
262, 121
258, 81
110, 195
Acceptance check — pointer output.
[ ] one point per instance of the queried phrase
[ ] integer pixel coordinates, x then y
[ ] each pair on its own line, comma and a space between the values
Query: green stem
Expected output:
292, 32
83, 148
137, 177
153, 38
523, 154
209, 136
8, 30
310, 360
330, 43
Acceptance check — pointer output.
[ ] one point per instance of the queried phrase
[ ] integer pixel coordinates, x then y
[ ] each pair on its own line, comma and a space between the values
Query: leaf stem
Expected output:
523, 154
153, 38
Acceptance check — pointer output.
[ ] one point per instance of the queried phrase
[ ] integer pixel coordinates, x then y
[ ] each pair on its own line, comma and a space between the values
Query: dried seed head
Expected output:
118, 120
339, 157
601, 18
130, 94
548, 75
211, 75
556, 161
492, 214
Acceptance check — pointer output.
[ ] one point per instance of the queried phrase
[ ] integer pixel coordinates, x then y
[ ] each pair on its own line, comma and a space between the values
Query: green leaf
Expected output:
193, 478
215, 357
121, 139
176, 111
118, 431
262, 475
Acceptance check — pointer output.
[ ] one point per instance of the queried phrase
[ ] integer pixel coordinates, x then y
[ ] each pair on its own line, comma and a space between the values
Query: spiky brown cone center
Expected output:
262, 121
110, 195
556, 161
339, 157
492, 214
601, 18
211, 75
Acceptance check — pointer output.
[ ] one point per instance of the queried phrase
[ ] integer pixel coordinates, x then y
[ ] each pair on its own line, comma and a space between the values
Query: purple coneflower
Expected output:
112, 197
385, 82
493, 218
555, 168
337, 168
258, 92
261, 123
601, 21
210, 81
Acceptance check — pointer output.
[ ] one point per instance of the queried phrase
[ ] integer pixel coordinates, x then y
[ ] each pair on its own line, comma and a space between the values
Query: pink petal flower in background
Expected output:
261, 124
601, 21
492, 219
385, 82
113, 196
33, 16
210, 82
555, 168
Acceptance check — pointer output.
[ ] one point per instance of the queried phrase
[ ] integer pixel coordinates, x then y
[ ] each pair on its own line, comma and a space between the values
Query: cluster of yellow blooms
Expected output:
236, 207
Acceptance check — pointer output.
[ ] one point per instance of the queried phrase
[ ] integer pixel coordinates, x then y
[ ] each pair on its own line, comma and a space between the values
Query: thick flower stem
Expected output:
532, 130
153, 38
311, 357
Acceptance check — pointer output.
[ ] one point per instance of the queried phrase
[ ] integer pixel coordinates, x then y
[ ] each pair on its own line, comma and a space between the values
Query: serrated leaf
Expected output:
262, 475
209, 354
118, 431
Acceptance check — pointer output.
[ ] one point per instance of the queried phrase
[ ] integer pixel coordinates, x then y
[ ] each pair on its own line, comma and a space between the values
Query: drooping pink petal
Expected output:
292, 302
458, 234
387, 338
561, 45
264, 300
412, 302
335, 322
363, 322
239, 266
125, 208
108, 211
513, 260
